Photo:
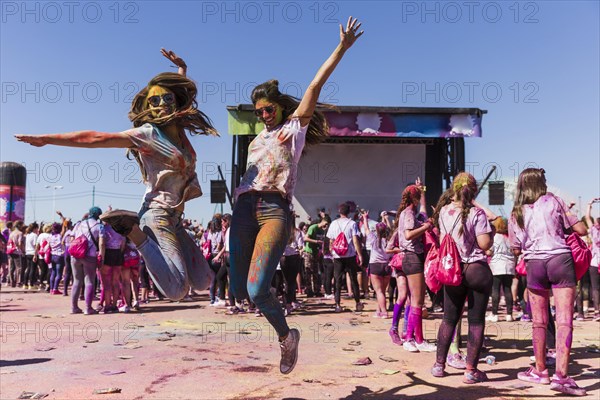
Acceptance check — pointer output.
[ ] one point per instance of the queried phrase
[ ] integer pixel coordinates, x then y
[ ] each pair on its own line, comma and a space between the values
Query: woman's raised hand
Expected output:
34, 140
349, 35
175, 59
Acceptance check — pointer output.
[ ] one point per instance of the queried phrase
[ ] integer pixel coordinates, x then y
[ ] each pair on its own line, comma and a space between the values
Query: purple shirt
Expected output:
475, 225
378, 254
544, 224
408, 221
113, 240
595, 236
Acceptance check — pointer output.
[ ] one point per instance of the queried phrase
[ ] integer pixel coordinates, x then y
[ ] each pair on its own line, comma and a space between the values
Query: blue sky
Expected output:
69, 66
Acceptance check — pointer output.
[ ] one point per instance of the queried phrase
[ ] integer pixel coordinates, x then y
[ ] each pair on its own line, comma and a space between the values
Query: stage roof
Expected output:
371, 121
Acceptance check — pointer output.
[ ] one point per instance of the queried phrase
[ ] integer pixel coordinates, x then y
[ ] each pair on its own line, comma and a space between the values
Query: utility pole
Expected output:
93, 195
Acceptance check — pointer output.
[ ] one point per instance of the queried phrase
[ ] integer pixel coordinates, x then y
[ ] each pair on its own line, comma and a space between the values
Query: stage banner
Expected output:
366, 122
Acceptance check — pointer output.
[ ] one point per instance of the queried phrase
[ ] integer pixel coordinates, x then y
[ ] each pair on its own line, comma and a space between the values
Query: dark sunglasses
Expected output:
259, 111
168, 98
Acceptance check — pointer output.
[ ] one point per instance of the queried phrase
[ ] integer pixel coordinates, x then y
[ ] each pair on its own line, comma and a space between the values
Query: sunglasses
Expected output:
168, 98
259, 111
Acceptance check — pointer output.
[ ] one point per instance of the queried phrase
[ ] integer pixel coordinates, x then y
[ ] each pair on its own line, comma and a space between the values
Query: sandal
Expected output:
474, 376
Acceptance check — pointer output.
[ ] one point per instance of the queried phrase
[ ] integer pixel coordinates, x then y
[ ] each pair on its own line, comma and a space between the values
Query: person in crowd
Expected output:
502, 263
16, 253
313, 256
411, 229
536, 229
594, 229
262, 219
161, 114
468, 225
57, 252
290, 266
31, 235
346, 262
379, 268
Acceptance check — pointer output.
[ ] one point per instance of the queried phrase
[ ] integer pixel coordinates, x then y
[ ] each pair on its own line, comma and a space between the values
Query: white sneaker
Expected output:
426, 347
509, 318
411, 346
492, 318
220, 304
329, 296
124, 309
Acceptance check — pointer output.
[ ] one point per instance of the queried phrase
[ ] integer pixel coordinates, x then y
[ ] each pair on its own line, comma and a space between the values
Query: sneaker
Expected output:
56, 291
525, 318
532, 375
492, 318
474, 376
76, 311
289, 351
257, 313
426, 347
125, 309
550, 358
220, 303
121, 221
566, 385
596, 317
411, 346
90, 311
438, 370
329, 296
233, 311
438, 309
509, 318
580, 317
457, 361
338, 309
360, 307
136, 305
396, 339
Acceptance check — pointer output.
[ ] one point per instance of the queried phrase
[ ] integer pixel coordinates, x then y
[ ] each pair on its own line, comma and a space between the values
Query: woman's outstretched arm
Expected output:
88, 139
309, 101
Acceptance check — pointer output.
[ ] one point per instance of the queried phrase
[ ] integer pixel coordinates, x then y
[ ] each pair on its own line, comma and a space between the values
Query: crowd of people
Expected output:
260, 258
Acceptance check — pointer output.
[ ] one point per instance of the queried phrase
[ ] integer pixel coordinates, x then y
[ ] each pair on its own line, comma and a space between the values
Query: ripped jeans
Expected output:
172, 258
260, 228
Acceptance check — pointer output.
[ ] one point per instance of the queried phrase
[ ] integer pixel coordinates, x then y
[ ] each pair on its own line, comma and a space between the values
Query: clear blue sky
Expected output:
73, 66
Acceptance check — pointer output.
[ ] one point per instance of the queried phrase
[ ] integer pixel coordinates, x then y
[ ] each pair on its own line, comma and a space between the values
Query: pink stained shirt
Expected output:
544, 224
171, 178
408, 221
273, 165
476, 224
595, 236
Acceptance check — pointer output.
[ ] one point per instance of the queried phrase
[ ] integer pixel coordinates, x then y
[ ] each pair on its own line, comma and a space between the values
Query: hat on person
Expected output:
94, 212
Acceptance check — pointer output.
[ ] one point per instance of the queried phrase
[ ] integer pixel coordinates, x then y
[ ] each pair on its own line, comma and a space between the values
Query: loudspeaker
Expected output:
496, 193
218, 190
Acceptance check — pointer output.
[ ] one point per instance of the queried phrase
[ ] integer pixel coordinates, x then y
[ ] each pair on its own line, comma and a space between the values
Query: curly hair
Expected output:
465, 190
410, 197
318, 129
530, 187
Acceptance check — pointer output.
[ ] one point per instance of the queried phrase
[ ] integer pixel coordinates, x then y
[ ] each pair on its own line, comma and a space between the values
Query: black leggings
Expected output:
31, 274
595, 285
476, 287
340, 266
328, 275
222, 275
583, 291
506, 282
291, 266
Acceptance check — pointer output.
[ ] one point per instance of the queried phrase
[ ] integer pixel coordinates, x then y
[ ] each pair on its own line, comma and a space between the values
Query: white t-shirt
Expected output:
350, 229
503, 260
30, 241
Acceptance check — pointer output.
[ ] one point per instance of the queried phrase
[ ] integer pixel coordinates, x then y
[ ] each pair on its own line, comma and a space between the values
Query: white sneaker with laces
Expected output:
492, 318
411, 346
426, 347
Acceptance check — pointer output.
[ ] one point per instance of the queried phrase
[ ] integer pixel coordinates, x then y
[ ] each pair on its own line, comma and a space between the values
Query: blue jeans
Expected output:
260, 228
172, 258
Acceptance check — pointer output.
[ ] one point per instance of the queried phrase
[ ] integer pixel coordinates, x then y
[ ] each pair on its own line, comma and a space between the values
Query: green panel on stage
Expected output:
243, 123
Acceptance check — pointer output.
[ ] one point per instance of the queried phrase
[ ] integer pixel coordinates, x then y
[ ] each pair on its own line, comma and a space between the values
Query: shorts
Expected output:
413, 263
113, 257
380, 269
555, 272
3, 258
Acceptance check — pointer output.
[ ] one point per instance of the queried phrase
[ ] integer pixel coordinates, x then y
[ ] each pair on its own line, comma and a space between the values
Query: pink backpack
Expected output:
340, 244
449, 271
79, 247
582, 256
521, 268
396, 261
45, 251
206, 249
432, 263
11, 248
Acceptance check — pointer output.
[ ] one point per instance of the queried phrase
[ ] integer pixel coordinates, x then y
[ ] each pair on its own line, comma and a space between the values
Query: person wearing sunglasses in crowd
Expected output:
262, 219
161, 114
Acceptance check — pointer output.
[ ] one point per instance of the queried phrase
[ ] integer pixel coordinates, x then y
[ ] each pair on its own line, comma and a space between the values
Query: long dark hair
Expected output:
530, 187
318, 129
465, 190
445, 199
187, 115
